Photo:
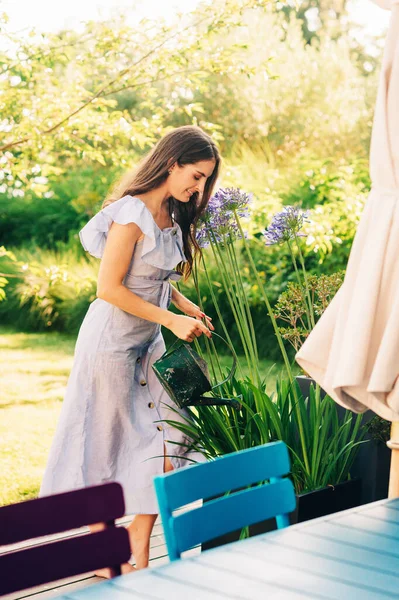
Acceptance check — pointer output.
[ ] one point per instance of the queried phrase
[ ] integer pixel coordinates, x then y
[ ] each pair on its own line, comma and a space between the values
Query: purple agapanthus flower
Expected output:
219, 222
285, 225
202, 237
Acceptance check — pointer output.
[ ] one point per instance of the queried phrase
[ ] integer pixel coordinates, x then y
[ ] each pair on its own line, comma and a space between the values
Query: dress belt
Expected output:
147, 283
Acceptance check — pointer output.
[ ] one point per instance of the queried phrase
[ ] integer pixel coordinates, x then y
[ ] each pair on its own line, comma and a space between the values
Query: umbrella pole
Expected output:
393, 444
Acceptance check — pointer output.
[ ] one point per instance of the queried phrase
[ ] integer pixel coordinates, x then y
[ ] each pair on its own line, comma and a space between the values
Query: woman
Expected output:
110, 427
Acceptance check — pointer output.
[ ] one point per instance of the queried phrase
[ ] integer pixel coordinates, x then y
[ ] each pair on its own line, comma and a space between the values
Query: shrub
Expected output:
48, 290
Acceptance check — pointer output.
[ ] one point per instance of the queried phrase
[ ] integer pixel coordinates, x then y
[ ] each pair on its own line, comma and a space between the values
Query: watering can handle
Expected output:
233, 367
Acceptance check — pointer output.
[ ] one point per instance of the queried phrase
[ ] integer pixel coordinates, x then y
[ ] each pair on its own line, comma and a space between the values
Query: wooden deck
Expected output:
158, 555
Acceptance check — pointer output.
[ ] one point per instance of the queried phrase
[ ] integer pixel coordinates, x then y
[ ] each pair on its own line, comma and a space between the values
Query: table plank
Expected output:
363, 523
159, 585
258, 561
312, 540
235, 585
269, 582
382, 512
359, 539
333, 568
394, 503
103, 591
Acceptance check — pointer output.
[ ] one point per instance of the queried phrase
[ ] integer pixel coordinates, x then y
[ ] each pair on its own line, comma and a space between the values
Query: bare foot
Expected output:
106, 573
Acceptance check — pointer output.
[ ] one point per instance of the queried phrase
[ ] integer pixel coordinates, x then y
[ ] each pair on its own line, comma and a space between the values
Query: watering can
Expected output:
184, 376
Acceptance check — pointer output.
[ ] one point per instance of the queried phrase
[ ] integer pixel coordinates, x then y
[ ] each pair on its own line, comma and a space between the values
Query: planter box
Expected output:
372, 464
304, 385
309, 506
373, 460
327, 501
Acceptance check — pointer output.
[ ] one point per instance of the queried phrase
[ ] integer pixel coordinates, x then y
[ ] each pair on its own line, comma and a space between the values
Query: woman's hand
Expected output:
191, 309
187, 328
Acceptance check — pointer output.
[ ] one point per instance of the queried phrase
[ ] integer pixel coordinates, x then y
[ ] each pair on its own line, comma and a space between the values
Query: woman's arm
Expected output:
115, 262
189, 308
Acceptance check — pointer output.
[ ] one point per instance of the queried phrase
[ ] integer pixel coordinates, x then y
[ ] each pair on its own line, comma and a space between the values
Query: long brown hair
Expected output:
184, 145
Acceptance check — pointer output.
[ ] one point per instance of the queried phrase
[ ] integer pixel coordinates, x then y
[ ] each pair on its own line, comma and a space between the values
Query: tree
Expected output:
94, 98
315, 15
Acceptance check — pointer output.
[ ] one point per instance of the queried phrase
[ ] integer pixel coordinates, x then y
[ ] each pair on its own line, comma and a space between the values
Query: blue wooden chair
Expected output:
243, 505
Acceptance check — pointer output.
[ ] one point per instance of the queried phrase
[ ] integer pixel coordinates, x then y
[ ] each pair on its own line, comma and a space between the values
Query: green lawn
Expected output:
34, 368
33, 373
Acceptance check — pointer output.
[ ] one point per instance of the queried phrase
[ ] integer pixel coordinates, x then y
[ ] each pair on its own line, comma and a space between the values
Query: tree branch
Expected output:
102, 89
47, 51
155, 80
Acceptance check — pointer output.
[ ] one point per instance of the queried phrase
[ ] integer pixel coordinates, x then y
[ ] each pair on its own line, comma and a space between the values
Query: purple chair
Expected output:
21, 569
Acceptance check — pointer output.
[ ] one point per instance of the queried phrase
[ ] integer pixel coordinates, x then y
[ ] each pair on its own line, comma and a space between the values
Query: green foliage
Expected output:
331, 443
302, 100
37, 221
57, 215
49, 291
314, 15
316, 181
290, 306
293, 121
5, 257
95, 97
379, 429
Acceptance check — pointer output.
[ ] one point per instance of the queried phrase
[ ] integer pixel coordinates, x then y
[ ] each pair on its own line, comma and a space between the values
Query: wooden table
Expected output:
349, 555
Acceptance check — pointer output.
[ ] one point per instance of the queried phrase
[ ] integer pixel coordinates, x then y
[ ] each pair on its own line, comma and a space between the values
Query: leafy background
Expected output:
290, 106
291, 111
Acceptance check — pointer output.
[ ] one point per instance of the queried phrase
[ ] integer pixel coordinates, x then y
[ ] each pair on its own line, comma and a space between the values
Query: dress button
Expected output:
138, 360
151, 405
174, 232
159, 427
143, 382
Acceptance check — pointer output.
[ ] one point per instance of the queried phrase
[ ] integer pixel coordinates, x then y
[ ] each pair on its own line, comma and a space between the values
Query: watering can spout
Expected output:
204, 401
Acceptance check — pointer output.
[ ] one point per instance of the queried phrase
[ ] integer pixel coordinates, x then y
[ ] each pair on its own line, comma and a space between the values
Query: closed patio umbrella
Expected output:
353, 352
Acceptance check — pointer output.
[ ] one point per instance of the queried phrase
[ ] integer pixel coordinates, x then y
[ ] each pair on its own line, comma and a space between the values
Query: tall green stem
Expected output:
305, 299
281, 345
245, 312
232, 303
245, 298
310, 302
219, 314
207, 345
305, 277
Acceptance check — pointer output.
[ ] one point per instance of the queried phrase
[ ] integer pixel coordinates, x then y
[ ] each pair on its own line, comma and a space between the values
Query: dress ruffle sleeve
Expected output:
162, 248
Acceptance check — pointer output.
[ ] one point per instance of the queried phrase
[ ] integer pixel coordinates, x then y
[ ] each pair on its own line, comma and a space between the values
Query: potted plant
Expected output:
322, 447
299, 307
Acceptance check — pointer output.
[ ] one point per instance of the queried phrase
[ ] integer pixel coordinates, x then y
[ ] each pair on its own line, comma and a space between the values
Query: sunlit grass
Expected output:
34, 369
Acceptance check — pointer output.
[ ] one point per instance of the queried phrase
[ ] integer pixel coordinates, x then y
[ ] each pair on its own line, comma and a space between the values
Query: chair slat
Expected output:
49, 562
229, 472
226, 514
61, 512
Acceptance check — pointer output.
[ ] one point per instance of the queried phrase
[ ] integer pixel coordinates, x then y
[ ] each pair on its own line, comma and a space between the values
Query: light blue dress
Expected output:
109, 427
